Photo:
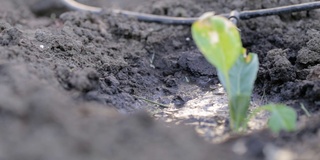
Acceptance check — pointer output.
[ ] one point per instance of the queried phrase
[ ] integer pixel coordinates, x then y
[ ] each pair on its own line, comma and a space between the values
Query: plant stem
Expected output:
231, 111
71, 4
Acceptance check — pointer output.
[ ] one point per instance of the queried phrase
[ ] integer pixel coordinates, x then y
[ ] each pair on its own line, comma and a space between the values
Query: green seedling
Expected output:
219, 41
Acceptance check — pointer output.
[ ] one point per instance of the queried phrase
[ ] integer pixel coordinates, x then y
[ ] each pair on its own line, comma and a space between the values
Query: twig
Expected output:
153, 102
305, 110
71, 4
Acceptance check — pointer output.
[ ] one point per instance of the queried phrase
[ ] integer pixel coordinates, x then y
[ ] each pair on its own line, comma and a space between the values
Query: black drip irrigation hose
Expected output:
243, 15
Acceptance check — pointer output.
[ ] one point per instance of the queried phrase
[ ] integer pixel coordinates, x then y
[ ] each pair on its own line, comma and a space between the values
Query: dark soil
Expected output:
73, 84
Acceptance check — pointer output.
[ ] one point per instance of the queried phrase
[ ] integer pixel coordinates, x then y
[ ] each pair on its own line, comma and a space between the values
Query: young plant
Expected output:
219, 41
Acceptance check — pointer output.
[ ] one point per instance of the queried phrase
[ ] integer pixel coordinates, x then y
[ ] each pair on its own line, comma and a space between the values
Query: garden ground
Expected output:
73, 85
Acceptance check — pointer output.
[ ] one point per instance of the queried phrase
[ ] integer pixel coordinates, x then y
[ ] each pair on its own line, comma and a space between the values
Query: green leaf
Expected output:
282, 117
241, 78
242, 75
219, 41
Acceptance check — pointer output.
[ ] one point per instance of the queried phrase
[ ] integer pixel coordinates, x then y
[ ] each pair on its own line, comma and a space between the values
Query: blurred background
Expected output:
47, 7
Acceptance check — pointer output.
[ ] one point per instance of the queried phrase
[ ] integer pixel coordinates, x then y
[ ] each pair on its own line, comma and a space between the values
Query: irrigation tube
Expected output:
243, 15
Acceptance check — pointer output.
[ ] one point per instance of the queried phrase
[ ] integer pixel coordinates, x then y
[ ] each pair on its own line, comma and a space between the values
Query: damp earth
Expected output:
77, 85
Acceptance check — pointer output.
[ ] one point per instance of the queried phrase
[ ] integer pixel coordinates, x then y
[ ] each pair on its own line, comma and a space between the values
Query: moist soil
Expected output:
76, 85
